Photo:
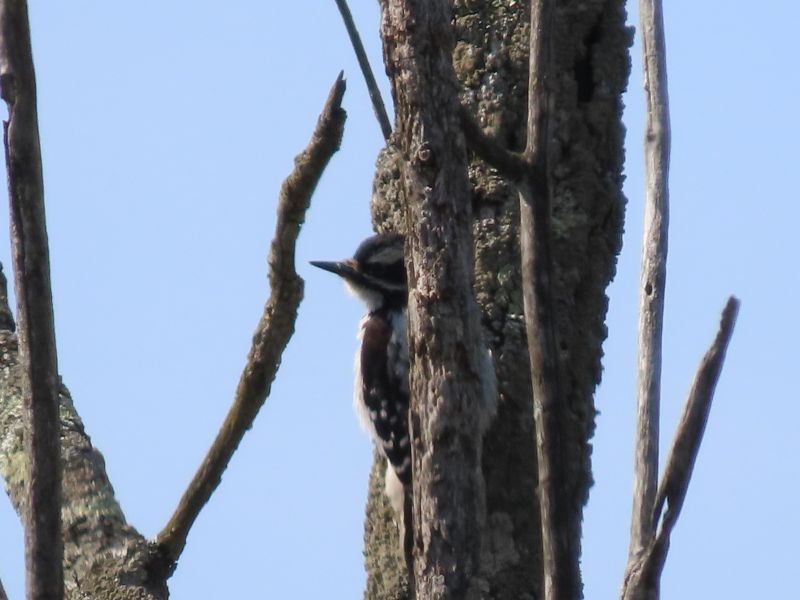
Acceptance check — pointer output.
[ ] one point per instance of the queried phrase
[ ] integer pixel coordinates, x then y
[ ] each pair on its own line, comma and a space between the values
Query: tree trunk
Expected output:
490, 58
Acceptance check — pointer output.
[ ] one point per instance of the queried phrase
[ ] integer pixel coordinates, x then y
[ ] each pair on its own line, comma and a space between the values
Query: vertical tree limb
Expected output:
643, 574
372, 87
275, 327
42, 514
560, 566
653, 275
648, 544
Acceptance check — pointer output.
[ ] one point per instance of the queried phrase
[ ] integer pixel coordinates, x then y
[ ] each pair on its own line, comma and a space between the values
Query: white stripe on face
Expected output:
387, 256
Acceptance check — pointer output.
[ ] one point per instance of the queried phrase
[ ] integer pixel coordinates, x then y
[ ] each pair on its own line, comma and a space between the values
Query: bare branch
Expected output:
561, 571
275, 327
653, 275
539, 68
43, 544
643, 575
509, 164
689, 435
372, 87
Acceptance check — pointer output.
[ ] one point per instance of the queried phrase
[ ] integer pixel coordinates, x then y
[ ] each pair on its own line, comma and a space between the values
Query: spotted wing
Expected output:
384, 396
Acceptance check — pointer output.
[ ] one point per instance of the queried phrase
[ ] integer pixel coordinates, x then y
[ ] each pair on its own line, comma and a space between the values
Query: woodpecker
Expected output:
376, 275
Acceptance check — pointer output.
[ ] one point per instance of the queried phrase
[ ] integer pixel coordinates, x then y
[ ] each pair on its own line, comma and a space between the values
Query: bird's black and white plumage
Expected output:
376, 274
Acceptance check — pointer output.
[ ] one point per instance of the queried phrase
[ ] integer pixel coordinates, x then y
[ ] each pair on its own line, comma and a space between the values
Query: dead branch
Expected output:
275, 327
511, 165
653, 275
42, 515
643, 576
529, 173
372, 87
648, 547
686, 444
537, 286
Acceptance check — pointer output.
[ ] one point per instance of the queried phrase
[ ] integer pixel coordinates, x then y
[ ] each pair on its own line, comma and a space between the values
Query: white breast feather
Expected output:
358, 389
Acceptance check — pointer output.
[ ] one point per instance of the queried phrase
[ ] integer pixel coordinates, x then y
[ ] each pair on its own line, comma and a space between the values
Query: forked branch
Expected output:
275, 327
643, 575
649, 543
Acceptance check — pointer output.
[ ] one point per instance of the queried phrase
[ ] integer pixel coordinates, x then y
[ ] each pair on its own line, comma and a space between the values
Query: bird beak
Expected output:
343, 268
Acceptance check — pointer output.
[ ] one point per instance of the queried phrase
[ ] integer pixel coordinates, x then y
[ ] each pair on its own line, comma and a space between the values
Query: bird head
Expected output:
376, 273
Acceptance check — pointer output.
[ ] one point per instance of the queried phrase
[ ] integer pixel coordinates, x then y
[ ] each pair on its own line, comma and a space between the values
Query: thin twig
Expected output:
372, 87
275, 327
43, 543
537, 281
653, 275
642, 579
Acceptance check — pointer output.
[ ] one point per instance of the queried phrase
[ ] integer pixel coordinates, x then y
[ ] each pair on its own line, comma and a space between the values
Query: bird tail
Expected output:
400, 497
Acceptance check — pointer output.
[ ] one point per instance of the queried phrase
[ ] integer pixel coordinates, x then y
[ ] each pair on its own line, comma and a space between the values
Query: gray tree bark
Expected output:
104, 557
44, 551
451, 390
591, 66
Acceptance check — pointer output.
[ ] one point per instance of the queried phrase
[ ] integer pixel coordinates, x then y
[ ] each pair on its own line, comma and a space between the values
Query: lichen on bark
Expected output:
104, 557
490, 58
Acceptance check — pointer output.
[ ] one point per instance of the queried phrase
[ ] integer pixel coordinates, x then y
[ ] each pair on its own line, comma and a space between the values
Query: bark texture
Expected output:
383, 556
448, 381
44, 549
104, 557
653, 279
591, 67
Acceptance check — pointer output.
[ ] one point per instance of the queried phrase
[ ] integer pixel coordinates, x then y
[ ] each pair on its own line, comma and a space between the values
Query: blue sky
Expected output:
167, 128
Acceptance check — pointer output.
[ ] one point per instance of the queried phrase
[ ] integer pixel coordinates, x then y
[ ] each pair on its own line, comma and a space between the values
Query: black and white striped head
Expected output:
376, 274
